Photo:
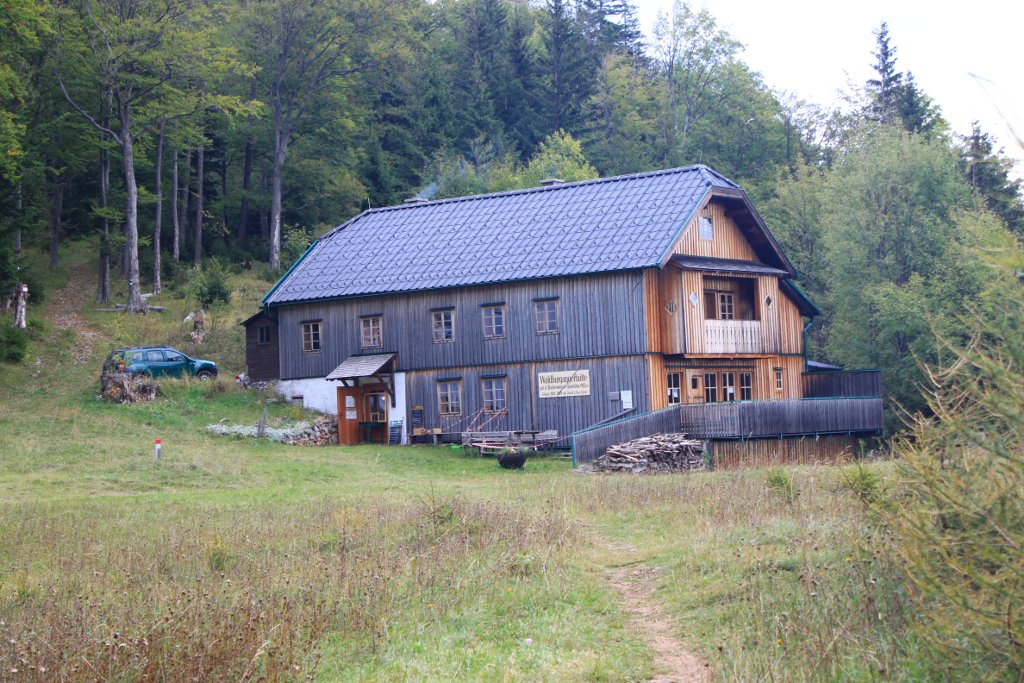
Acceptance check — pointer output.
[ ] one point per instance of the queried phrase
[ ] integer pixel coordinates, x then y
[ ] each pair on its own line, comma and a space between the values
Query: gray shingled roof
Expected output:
360, 366
586, 227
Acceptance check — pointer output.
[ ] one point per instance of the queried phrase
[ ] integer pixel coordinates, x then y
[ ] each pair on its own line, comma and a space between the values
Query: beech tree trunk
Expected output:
197, 255
134, 304
186, 169
174, 206
275, 208
103, 287
159, 209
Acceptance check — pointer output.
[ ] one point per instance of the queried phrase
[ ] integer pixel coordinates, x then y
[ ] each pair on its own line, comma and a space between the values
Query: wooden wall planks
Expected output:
599, 315
856, 383
834, 449
262, 360
728, 242
657, 381
525, 409
653, 311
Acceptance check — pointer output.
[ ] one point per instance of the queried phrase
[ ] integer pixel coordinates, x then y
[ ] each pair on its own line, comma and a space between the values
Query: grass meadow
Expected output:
231, 560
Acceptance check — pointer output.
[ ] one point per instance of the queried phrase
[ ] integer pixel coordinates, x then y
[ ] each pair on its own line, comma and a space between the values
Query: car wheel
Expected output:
204, 375
142, 376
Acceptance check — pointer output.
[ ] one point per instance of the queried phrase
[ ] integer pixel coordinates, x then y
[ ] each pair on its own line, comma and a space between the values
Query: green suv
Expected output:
158, 361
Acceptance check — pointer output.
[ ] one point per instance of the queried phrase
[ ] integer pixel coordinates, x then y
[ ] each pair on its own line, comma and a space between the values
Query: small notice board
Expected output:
395, 433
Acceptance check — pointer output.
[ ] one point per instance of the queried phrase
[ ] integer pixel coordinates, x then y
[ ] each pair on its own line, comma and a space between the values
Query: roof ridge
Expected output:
702, 169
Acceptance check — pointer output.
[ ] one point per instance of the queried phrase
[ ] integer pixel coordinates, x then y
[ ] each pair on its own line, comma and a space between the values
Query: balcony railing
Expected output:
732, 336
781, 417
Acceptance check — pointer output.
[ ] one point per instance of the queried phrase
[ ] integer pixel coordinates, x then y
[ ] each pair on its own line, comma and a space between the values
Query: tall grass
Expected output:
776, 575
251, 593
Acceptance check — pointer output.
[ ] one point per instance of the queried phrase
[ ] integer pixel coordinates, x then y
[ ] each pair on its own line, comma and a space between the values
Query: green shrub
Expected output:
210, 285
781, 482
13, 344
864, 483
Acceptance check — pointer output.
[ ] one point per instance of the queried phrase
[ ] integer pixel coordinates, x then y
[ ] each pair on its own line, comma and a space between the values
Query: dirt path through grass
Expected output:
64, 312
635, 582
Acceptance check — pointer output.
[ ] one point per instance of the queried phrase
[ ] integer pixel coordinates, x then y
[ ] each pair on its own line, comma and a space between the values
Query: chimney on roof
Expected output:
551, 182
416, 200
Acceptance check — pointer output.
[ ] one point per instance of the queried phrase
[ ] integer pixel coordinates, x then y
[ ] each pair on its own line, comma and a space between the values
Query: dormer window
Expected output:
707, 228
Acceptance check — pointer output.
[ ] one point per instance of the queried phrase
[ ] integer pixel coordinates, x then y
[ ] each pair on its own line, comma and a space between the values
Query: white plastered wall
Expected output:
322, 396
317, 393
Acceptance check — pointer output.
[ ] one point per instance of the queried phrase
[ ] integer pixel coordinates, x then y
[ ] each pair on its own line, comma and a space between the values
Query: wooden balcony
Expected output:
781, 417
732, 336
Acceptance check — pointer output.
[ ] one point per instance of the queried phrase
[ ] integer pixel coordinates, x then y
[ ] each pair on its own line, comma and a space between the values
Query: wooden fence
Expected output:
590, 444
842, 383
784, 417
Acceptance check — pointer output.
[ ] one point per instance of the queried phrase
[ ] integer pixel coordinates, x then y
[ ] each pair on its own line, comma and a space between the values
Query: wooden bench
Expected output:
482, 442
478, 443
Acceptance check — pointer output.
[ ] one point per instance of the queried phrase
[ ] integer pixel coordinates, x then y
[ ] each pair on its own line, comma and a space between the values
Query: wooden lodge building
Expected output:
573, 306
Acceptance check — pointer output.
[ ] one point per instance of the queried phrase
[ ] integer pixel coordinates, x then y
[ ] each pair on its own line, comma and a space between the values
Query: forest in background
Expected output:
182, 134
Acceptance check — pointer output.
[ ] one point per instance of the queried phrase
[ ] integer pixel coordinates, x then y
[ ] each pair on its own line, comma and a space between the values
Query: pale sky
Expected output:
814, 48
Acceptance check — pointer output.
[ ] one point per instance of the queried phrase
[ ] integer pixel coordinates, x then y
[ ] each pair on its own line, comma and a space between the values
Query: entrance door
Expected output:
350, 408
694, 386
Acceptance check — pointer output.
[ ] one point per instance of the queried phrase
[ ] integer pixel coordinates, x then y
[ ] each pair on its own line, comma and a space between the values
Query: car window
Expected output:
174, 357
154, 357
137, 357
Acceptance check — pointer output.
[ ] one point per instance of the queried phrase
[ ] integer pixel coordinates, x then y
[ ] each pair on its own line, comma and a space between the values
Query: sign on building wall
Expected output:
561, 384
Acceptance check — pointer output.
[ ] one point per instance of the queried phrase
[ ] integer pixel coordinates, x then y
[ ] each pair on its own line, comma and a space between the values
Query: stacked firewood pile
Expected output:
322, 431
653, 455
126, 387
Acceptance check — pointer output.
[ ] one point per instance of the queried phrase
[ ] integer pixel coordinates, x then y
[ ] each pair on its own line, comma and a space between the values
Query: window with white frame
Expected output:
547, 316
444, 326
728, 386
371, 332
494, 394
311, 338
449, 397
710, 387
494, 322
746, 386
673, 388
778, 380
726, 311
707, 228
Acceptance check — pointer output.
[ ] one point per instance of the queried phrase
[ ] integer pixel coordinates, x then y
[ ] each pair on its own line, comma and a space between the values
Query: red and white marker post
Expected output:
158, 449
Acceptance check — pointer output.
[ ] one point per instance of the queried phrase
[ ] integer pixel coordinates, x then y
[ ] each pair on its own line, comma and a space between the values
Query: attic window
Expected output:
707, 228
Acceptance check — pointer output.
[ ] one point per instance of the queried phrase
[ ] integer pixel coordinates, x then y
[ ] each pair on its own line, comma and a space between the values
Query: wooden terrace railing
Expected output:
781, 417
737, 420
591, 443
